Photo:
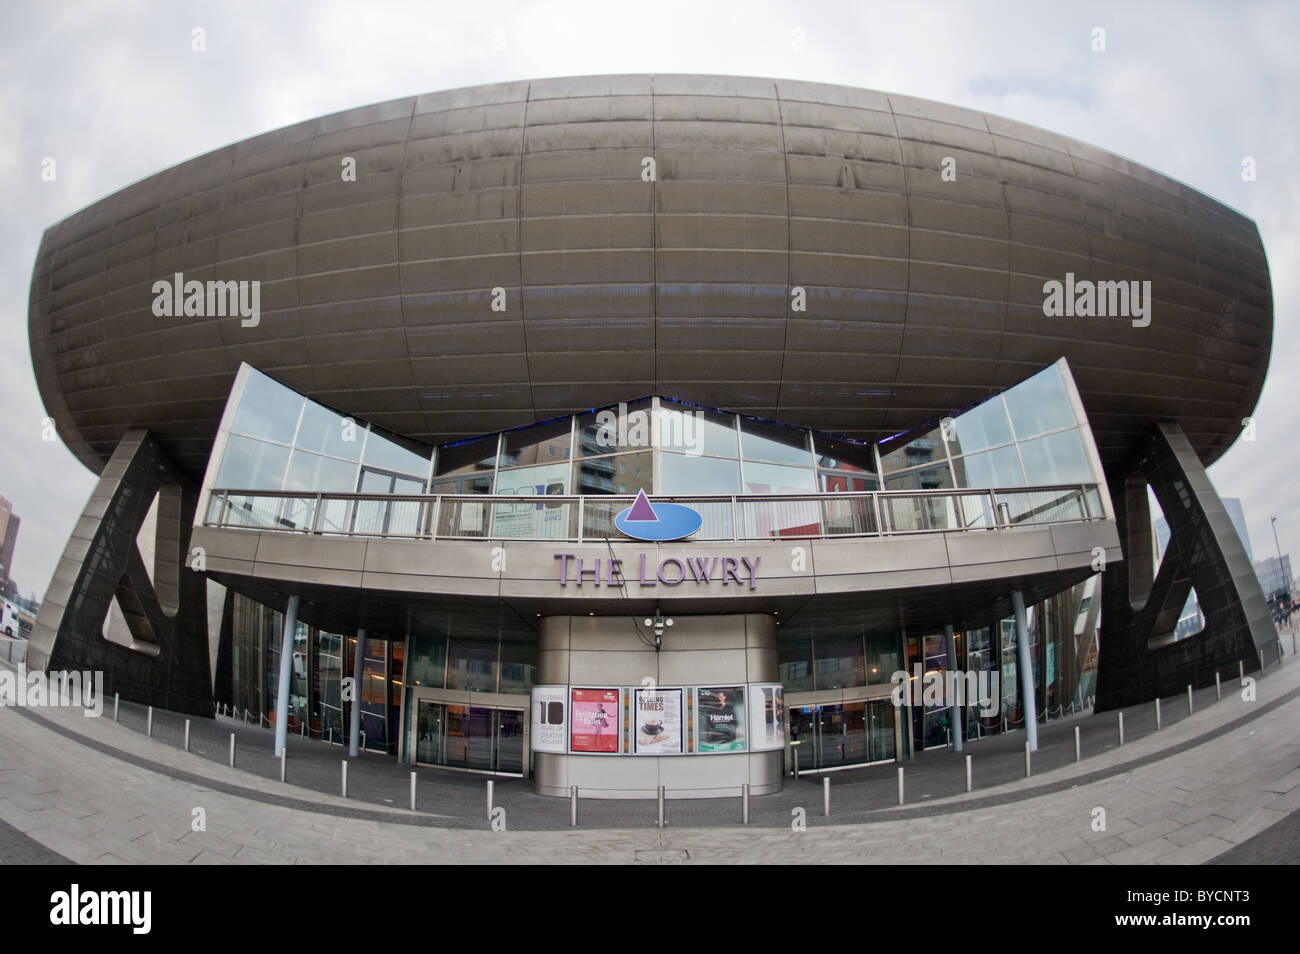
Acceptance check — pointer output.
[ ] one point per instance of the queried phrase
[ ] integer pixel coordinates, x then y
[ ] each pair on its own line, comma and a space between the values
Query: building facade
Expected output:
636, 431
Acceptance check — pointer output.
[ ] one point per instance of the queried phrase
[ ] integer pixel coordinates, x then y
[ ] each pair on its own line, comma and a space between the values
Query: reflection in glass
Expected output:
468, 457
386, 454
836, 454
920, 450
776, 479
696, 431
1040, 404
313, 472
698, 475
540, 444
761, 440
325, 431
622, 474
995, 468
1056, 459
933, 478
472, 665
267, 409
622, 427
249, 464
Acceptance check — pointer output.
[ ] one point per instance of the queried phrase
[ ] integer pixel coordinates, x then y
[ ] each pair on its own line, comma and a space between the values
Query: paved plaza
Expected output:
1220, 784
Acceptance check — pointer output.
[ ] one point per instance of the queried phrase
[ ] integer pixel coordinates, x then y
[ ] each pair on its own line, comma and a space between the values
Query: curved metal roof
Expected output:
924, 293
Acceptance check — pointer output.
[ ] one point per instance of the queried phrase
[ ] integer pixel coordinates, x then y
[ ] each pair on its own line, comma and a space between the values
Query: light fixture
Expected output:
659, 623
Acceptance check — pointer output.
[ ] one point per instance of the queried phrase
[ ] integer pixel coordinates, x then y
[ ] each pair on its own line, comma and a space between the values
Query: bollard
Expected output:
1293, 642
968, 773
661, 806
412, 791
1241, 668
489, 799
900, 785
1027, 769
331, 735
232, 750
284, 757
795, 773
345, 777
1157, 713
1121, 728
826, 796
187, 735
303, 724
148, 724
573, 806
1218, 687
1189, 699
1077, 749
363, 744
116, 699
949, 730
744, 804
1004, 724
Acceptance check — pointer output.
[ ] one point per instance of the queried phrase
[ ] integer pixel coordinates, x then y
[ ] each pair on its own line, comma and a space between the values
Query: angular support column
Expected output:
1139, 658
1025, 667
354, 722
285, 682
167, 662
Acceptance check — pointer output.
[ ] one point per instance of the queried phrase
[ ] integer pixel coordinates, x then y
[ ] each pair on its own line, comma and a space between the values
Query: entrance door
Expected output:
480, 738
854, 733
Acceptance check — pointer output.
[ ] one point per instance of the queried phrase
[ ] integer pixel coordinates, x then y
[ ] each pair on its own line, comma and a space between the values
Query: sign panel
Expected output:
657, 717
549, 721
594, 715
720, 719
766, 717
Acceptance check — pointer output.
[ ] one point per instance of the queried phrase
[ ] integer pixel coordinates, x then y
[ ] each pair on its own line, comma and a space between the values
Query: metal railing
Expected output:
727, 518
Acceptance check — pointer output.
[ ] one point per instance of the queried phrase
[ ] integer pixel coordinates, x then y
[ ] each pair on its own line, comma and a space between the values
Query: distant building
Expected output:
8, 540
1275, 577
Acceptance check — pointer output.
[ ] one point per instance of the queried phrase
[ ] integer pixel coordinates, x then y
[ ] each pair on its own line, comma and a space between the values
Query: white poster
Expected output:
550, 720
658, 717
766, 717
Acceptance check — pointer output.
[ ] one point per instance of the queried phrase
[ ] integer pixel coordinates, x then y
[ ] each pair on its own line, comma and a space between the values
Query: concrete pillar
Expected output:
1025, 666
286, 675
354, 726
954, 710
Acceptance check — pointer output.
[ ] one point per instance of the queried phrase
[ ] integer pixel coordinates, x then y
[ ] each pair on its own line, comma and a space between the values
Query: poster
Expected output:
594, 718
766, 717
548, 722
720, 719
657, 721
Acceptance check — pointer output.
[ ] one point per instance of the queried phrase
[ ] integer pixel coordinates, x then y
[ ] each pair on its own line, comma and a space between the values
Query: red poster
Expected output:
594, 717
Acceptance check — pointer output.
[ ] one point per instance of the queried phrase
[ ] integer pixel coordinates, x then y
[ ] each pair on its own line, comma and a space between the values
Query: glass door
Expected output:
470, 737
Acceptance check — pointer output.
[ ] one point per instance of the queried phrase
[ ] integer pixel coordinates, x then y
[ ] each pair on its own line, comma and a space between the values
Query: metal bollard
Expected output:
1157, 713
1121, 728
187, 735
900, 785
661, 806
1077, 744
1241, 668
116, 700
949, 731
573, 806
968, 772
345, 777
826, 796
412, 791
363, 744
1190, 708
795, 773
1218, 687
744, 803
148, 724
284, 758
489, 799
1027, 767
232, 750
303, 725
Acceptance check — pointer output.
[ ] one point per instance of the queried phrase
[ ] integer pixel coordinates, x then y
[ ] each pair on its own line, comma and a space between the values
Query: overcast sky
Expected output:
114, 92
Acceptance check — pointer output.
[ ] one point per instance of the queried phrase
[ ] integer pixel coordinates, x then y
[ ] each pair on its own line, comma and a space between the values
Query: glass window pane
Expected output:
794, 661
324, 431
842, 483
684, 475
314, 472
518, 666
252, 465
933, 478
390, 455
775, 479
696, 431
1040, 404
621, 427
1057, 459
995, 468
428, 660
622, 474
983, 426
920, 450
267, 409
840, 662
472, 664
541, 444
775, 442
546, 479
463, 485
837, 454
468, 457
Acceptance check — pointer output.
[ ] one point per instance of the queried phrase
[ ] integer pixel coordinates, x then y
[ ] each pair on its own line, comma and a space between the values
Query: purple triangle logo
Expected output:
641, 509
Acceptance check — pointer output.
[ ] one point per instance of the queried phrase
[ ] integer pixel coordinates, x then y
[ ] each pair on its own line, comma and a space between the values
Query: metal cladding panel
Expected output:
924, 291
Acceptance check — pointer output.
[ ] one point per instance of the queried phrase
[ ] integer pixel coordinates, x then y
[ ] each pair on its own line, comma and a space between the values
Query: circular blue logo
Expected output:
662, 521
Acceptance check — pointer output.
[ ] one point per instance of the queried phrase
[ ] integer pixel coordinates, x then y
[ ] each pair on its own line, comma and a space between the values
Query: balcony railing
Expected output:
575, 519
